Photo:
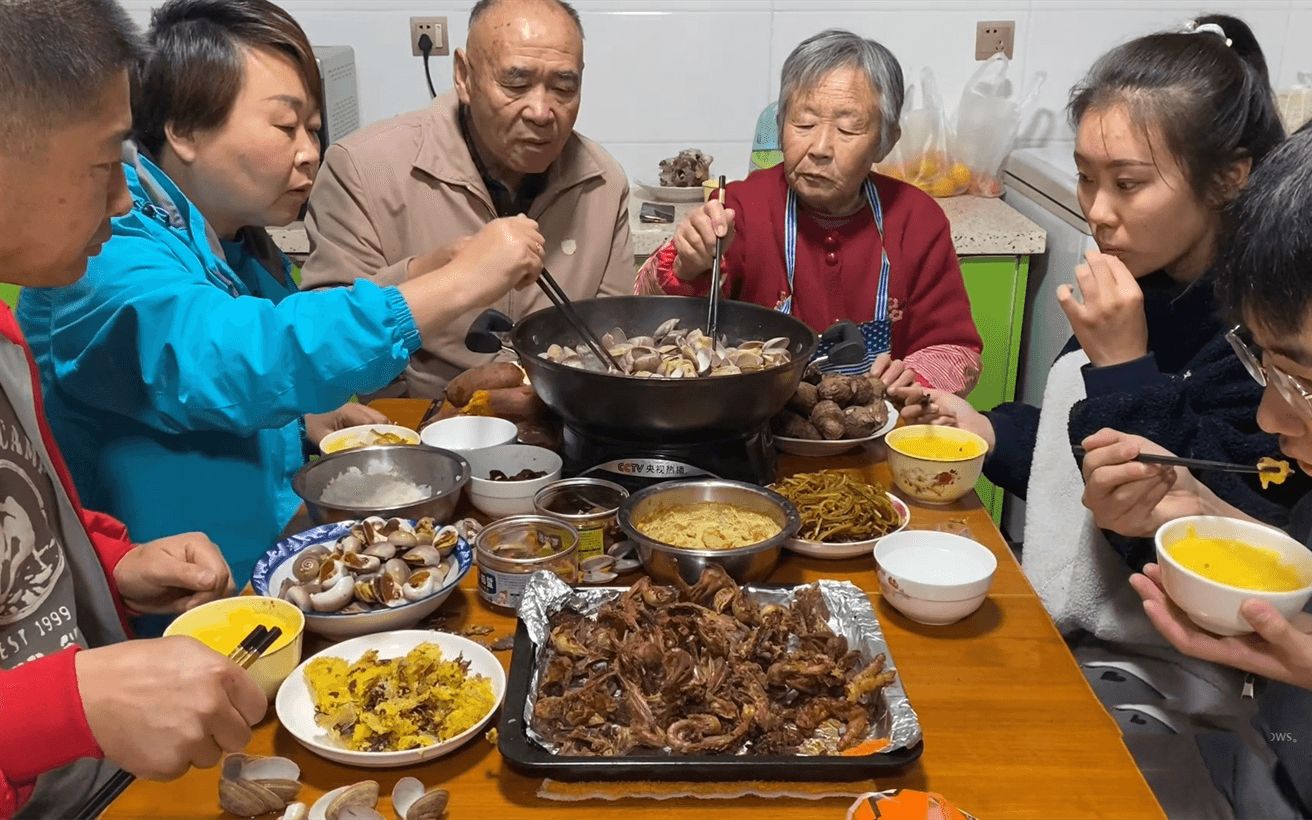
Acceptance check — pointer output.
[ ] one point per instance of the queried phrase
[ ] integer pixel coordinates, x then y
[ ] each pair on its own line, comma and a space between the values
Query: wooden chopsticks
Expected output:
255, 644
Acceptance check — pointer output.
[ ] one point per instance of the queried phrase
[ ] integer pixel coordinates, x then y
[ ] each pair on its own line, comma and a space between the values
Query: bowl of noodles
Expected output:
681, 527
842, 515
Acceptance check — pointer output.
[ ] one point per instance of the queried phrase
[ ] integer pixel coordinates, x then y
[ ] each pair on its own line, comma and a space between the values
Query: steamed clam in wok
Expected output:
671, 352
378, 564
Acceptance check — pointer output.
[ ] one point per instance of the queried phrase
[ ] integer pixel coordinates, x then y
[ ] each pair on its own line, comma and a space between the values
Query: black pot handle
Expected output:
486, 333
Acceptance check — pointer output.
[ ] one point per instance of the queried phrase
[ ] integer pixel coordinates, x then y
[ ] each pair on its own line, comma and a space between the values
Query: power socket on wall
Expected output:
435, 28
993, 36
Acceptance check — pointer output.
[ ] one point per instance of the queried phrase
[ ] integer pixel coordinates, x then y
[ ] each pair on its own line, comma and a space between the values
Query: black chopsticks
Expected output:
255, 644
561, 300
1195, 463
713, 308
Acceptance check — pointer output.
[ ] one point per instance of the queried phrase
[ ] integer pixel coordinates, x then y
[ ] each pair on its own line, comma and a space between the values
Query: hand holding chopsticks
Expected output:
252, 647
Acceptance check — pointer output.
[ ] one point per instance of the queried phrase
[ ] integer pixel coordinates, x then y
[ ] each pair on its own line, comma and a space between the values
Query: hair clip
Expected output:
1192, 27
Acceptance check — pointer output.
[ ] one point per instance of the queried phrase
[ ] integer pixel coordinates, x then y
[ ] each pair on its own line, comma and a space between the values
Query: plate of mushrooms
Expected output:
832, 414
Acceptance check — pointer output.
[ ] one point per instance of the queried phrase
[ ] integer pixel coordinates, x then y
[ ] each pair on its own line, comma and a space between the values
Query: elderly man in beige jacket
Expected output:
397, 196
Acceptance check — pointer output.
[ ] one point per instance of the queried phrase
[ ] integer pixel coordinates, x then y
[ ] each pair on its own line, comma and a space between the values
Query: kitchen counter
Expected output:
980, 227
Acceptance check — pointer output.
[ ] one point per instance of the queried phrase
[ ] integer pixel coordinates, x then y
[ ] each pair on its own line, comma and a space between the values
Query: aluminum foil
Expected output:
850, 615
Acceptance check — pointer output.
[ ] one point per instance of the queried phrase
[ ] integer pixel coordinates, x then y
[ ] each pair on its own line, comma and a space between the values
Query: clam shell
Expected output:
363, 795
269, 768
626, 565
285, 789
597, 562
296, 811
245, 798
622, 549
404, 794
424, 555
599, 577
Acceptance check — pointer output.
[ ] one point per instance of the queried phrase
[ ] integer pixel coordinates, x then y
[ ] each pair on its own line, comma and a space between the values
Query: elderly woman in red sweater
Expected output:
825, 239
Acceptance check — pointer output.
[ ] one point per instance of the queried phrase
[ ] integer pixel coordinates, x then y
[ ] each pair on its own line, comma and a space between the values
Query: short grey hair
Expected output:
833, 49
484, 6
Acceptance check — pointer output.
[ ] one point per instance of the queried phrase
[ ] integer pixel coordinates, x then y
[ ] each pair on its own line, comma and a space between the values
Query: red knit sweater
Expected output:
838, 270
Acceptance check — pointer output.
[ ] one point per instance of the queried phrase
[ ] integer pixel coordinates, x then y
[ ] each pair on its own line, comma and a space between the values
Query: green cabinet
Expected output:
996, 285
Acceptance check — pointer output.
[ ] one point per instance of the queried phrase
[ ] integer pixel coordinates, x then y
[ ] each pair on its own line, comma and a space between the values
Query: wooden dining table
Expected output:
1011, 727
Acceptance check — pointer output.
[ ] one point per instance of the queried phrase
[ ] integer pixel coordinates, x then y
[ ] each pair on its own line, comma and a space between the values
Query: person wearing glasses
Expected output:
1263, 284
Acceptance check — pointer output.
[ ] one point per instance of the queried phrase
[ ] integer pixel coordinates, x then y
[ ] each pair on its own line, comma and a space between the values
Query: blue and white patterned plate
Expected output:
276, 564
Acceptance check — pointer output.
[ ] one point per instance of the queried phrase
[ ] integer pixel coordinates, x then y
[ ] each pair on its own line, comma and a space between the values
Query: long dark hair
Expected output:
1211, 101
195, 68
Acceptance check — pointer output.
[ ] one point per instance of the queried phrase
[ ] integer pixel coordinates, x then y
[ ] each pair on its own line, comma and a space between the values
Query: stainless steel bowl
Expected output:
442, 470
664, 562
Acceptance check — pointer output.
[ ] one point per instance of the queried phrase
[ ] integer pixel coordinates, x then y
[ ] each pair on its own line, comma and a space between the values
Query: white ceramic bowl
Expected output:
935, 480
295, 706
361, 436
834, 550
463, 433
1213, 605
933, 577
276, 565
818, 448
503, 498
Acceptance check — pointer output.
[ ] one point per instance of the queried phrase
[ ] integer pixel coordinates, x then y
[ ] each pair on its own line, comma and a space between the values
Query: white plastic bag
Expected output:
988, 119
922, 155
1296, 103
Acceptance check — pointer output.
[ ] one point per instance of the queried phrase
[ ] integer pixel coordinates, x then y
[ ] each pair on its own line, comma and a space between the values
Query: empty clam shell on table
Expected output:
671, 352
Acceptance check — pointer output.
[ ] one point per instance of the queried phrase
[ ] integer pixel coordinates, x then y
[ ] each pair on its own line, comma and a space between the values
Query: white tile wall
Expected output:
667, 74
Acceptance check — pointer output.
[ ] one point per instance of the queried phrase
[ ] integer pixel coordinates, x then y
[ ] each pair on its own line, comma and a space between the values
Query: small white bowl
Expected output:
360, 436
504, 498
295, 706
464, 433
1213, 605
932, 577
838, 550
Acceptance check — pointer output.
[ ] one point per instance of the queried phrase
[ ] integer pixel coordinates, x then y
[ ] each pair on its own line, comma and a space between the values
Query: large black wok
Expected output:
644, 409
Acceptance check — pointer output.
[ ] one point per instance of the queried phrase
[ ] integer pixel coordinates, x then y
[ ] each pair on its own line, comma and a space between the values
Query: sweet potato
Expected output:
494, 376
516, 403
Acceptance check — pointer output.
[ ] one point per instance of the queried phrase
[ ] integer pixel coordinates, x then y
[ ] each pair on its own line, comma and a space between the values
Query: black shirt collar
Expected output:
504, 201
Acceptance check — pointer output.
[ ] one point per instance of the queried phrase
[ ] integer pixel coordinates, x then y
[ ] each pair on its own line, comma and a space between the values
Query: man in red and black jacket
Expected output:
77, 698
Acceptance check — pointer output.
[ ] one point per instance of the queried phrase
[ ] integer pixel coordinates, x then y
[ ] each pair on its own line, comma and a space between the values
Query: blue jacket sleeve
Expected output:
145, 335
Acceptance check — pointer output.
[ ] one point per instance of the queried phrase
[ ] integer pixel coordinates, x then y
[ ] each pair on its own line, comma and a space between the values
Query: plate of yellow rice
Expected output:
392, 699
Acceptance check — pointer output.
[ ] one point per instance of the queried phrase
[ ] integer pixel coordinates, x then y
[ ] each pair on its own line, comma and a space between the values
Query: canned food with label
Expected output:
514, 548
591, 506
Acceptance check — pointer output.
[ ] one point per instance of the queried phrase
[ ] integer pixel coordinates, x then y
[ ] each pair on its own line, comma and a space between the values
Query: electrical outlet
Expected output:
435, 28
993, 36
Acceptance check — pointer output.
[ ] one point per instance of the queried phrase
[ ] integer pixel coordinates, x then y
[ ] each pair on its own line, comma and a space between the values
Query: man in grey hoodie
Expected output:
77, 699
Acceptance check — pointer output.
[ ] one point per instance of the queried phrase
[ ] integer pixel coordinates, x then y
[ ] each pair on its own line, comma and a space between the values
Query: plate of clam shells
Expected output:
355, 578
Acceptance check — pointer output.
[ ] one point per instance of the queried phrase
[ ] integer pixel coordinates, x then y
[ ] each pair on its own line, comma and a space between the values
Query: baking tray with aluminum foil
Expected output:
851, 616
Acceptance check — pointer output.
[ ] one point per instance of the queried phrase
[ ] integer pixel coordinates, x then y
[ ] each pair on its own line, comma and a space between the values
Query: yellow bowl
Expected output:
935, 465
221, 625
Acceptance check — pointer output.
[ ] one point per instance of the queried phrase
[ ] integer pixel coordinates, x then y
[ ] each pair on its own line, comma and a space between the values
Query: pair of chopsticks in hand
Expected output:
1196, 463
247, 652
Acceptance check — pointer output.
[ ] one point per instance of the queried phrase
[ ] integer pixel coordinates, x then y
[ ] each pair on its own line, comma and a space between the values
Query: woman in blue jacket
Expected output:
180, 370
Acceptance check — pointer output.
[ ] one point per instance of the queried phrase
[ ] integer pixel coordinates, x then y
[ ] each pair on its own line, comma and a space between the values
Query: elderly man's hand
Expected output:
1280, 650
694, 239
161, 706
1110, 323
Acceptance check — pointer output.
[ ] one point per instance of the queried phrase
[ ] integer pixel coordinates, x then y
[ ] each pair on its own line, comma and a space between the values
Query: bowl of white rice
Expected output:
392, 481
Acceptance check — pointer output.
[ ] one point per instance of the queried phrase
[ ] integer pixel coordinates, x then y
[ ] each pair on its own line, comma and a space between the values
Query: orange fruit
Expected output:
960, 174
